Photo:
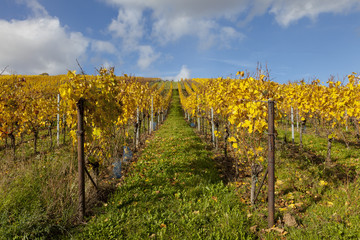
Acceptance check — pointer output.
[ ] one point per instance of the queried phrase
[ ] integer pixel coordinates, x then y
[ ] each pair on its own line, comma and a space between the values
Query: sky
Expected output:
173, 39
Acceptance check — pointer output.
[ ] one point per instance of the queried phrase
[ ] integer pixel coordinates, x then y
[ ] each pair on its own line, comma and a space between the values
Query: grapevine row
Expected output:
237, 111
29, 104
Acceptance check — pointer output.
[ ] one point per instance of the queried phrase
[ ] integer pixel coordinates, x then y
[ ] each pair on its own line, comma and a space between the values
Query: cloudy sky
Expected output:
182, 38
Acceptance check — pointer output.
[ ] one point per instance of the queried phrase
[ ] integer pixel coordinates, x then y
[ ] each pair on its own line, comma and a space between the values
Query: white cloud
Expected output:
214, 23
228, 34
183, 74
179, 18
146, 56
197, 9
103, 47
287, 12
39, 45
171, 20
170, 30
37, 9
107, 64
128, 26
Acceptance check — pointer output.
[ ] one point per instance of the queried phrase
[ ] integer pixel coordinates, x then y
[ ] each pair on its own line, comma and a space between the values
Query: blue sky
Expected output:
297, 39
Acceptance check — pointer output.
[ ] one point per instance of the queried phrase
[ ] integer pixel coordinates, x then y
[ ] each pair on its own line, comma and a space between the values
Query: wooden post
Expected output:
328, 156
292, 125
212, 126
346, 119
81, 159
158, 122
203, 125
137, 134
297, 120
271, 164
198, 118
162, 115
152, 115
301, 134
64, 128
58, 120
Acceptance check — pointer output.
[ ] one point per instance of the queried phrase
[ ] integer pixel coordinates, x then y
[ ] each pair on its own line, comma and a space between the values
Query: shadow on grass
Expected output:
306, 158
350, 143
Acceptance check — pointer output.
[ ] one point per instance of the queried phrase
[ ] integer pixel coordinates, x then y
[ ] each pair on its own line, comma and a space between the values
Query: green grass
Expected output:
37, 195
173, 191
323, 199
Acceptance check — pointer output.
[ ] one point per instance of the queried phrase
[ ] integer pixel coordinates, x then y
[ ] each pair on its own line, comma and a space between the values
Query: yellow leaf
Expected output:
241, 73
97, 132
250, 153
282, 209
259, 149
291, 206
331, 136
323, 183
231, 139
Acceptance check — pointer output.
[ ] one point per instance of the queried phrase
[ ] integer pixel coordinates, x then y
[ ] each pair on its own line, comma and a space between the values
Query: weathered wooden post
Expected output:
158, 121
58, 120
292, 125
271, 164
212, 126
198, 115
137, 129
81, 159
152, 115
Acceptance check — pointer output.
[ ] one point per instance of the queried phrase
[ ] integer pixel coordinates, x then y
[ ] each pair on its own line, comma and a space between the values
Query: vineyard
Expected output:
35, 108
78, 148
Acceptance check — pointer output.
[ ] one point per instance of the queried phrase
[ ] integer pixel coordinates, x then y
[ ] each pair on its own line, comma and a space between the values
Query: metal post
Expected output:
271, 164
292, 125
81, 158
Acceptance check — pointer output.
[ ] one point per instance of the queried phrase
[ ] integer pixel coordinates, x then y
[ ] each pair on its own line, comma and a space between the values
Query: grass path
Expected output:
173, 191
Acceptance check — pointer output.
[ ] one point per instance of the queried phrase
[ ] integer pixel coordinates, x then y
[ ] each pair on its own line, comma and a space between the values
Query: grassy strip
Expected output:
321, 199
37, 196
173, 192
